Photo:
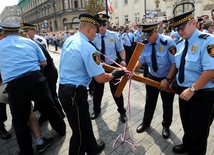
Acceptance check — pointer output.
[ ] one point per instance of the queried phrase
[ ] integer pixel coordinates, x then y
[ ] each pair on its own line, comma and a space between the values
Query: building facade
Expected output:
52, 15
11, 13
135, 11
56, 15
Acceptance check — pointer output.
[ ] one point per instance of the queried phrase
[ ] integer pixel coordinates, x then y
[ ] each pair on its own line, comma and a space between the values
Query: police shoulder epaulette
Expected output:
40, 40
179, 41
203, 36
145, 42
163, 42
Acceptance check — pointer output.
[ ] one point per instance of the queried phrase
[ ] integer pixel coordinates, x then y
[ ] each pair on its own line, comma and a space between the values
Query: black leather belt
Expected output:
27, 74
77, 87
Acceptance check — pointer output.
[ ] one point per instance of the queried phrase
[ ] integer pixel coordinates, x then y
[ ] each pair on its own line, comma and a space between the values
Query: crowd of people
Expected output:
178, 53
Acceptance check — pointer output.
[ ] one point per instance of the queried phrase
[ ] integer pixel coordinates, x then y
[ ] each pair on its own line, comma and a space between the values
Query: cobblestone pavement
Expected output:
108, 127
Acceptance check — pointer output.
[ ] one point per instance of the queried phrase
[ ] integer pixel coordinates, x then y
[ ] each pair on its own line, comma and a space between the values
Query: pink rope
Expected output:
126, 127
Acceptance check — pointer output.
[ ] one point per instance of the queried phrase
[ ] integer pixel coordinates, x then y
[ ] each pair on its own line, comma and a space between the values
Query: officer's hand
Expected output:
118, 73
123, 63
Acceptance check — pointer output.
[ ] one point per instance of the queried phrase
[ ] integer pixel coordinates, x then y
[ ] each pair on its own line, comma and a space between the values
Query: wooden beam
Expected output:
138, 50
139, 78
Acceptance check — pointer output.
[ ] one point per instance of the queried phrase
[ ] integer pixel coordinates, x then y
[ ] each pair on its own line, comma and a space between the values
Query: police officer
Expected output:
120, 32
50, 72
127, 43
41, 142
195, 63
55, 39
47, 39
207, 27
138, 34
22, 58
32, 34
158, 55
111, 46
79, 62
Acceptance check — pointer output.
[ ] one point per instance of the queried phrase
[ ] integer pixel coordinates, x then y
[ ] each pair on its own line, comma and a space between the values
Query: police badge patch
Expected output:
161, 48
210, 50
172, 50
111, 40
96, 58
194, 48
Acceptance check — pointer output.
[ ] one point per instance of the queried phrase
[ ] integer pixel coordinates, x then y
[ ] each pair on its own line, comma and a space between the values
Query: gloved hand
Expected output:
118, 73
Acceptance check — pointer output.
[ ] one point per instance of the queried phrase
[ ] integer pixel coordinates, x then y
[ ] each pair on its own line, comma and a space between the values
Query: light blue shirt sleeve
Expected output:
78, 61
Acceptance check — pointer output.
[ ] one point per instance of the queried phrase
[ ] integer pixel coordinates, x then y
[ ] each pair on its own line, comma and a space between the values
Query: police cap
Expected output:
90, 19
10, 26
102, 17
148, 28
207, 24
0, 30
178, 22
27, 26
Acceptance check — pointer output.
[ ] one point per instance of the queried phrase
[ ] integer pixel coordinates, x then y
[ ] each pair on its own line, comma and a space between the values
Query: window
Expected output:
75, 4
125, 2
126, 19
137, 17
65, 4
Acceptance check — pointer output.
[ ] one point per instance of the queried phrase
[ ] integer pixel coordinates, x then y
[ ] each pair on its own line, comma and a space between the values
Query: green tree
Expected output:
93, 6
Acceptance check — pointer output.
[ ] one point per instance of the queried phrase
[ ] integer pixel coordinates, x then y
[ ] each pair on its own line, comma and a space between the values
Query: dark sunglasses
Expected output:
150, 34
103, 24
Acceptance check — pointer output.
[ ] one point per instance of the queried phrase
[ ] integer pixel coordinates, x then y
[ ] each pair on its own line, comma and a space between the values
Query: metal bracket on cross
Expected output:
138, 50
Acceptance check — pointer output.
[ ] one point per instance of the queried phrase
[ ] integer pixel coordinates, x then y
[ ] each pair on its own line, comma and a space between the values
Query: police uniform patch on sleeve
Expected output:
210, 50
96, 58
135, 34
172, 50
40, 40
122, 38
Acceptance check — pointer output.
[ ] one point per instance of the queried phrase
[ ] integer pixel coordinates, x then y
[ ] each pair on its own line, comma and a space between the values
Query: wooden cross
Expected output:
139, 48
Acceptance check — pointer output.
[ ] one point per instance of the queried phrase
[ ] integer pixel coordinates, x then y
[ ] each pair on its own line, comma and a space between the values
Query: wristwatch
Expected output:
192, 89
168, 80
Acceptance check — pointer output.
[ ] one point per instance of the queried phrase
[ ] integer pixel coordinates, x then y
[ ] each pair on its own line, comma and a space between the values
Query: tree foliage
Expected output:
93, 6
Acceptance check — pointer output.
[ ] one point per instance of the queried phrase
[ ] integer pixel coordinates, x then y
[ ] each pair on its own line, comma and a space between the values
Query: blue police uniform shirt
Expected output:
198, 59
66, 35
205, 31
19, 55
164, 56
54, 38
126, 40
78, 63
137, 35
131, 36
119, 34
112, 45
176, 35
